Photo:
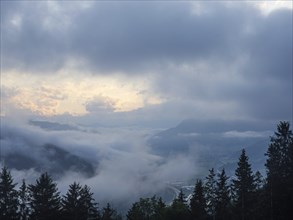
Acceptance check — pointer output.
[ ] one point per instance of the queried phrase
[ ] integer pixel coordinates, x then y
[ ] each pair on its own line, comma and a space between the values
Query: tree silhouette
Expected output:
279, 166
24, 202
179, 209
89, 206
198, 202
260, 208
222, 205
210, 193
8, 196
109, 213
243, 187
45, 200
72, 204
146, 209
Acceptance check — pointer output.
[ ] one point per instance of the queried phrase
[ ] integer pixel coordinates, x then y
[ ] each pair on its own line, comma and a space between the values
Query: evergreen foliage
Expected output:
258, 180
24, 202
110, 214
45, 200
147, 209
260, 208
279, 166
223, 200
210, 193
73, 204
179, 209
89, 206
198, 202
243, 187
8, 196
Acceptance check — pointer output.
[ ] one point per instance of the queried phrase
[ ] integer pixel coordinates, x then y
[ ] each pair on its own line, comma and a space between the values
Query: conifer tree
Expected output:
289, 181
90, 207
180, 198
72, 206
179, 209
160, 207
8, 196
134, 213
45, 200
146, 209
198, 202
243, 186
222, 205
279, 166
210, 193
258, 180
109, 213
24, 202
260, 208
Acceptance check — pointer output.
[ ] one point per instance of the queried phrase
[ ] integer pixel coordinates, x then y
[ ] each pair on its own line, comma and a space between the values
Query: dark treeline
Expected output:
245, 196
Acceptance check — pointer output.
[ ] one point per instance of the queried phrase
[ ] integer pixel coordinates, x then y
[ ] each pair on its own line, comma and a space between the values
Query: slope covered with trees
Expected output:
245, 196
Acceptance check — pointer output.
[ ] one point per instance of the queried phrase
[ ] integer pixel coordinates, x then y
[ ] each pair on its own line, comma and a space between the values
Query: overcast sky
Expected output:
146, 63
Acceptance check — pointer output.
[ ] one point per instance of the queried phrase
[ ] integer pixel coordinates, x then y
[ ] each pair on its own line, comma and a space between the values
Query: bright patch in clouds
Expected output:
75, 94
268, 6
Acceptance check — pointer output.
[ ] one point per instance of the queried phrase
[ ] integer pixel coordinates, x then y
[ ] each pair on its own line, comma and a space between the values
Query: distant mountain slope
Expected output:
55, 126
49, 158
213, 146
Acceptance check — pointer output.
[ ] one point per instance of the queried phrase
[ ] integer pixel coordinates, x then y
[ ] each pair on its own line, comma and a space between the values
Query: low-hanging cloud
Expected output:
125, 167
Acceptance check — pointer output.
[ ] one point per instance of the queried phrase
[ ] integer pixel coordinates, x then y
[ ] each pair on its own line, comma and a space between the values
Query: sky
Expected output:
142, 66
134, 63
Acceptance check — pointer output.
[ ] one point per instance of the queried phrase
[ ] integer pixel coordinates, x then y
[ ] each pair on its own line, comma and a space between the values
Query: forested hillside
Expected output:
245, 196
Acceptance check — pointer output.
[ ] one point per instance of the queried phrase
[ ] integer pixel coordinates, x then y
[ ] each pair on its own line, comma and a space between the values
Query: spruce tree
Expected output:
79, 204
198, 202
72, 206
45, 200
146, 209
24, 210
223, 200
8, 196
258, 180
279, 167
180, 198
159, 207
210, 193
260, 208
243, 187
179, 209
134, 213
289, 181
109, 213
90, 207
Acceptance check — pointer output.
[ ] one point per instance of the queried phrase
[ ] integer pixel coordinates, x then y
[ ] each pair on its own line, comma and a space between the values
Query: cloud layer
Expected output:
125, 167
199, 60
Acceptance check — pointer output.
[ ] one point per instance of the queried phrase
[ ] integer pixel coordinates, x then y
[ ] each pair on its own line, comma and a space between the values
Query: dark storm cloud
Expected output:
127, 37
139, 36
269, 69
256, 83
270, 47
26, 44
247, 56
